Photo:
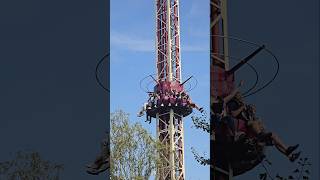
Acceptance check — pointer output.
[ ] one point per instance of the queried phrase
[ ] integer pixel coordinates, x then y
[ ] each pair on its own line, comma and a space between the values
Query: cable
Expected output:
190, 88
256, 82
146, 89
97, 69
148, 85
273, 78
268, 51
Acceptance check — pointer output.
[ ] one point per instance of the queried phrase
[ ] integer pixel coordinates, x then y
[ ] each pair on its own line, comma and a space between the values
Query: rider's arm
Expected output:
231, 95
233, 92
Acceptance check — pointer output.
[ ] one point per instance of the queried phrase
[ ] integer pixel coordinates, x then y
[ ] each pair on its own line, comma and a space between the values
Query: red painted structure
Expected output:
226, 160
169, 102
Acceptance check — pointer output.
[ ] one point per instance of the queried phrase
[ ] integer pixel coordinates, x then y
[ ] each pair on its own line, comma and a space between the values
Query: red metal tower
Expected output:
223, 167
172, 102
169, 121
220, 82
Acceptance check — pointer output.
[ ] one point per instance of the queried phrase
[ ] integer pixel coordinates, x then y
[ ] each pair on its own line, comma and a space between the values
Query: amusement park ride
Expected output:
164, 103
169, 103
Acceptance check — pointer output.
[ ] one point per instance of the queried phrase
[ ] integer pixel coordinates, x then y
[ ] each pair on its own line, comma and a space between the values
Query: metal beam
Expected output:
245, 60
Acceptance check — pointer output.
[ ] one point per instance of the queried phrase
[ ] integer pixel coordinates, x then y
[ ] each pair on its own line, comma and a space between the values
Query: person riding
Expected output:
195, 106
142, 110
247, 114
151, 100
147, 106
250, 112
269, 139
236, 106
218, 109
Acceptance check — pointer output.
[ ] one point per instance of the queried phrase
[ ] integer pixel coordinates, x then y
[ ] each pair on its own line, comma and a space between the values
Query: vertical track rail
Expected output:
168, 63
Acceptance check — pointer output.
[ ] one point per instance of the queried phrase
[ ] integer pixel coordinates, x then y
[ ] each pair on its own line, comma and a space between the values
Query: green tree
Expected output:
133, 150
29, 166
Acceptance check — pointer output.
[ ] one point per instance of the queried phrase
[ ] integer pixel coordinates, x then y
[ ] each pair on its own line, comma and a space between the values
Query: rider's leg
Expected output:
271, 138
279, 144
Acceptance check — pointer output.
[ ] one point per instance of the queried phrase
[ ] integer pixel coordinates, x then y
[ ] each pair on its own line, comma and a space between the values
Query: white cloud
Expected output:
132, 43
194, 48
198, 8
199, 32
138, 44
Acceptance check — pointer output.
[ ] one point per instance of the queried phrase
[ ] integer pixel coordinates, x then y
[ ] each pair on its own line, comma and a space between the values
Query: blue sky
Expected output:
132, 36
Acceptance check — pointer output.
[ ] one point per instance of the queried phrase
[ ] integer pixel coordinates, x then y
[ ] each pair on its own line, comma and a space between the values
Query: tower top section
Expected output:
168, 51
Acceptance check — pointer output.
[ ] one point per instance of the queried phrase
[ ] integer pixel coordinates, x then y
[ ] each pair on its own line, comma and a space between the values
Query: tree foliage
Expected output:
301, 171
29, 166
200, 122
133, 150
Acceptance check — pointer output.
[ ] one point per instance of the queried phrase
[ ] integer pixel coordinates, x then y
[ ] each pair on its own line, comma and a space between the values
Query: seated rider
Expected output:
218, 109
151, 100
236, 107
144, 109
246, 113
268, 138
193, 105
250, 112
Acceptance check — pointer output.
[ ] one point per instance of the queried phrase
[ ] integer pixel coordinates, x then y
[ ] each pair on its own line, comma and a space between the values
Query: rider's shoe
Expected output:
291, 149
294, 156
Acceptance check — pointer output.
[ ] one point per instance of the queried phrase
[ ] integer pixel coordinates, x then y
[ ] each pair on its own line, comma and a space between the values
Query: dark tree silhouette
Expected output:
29, 166
301, 172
